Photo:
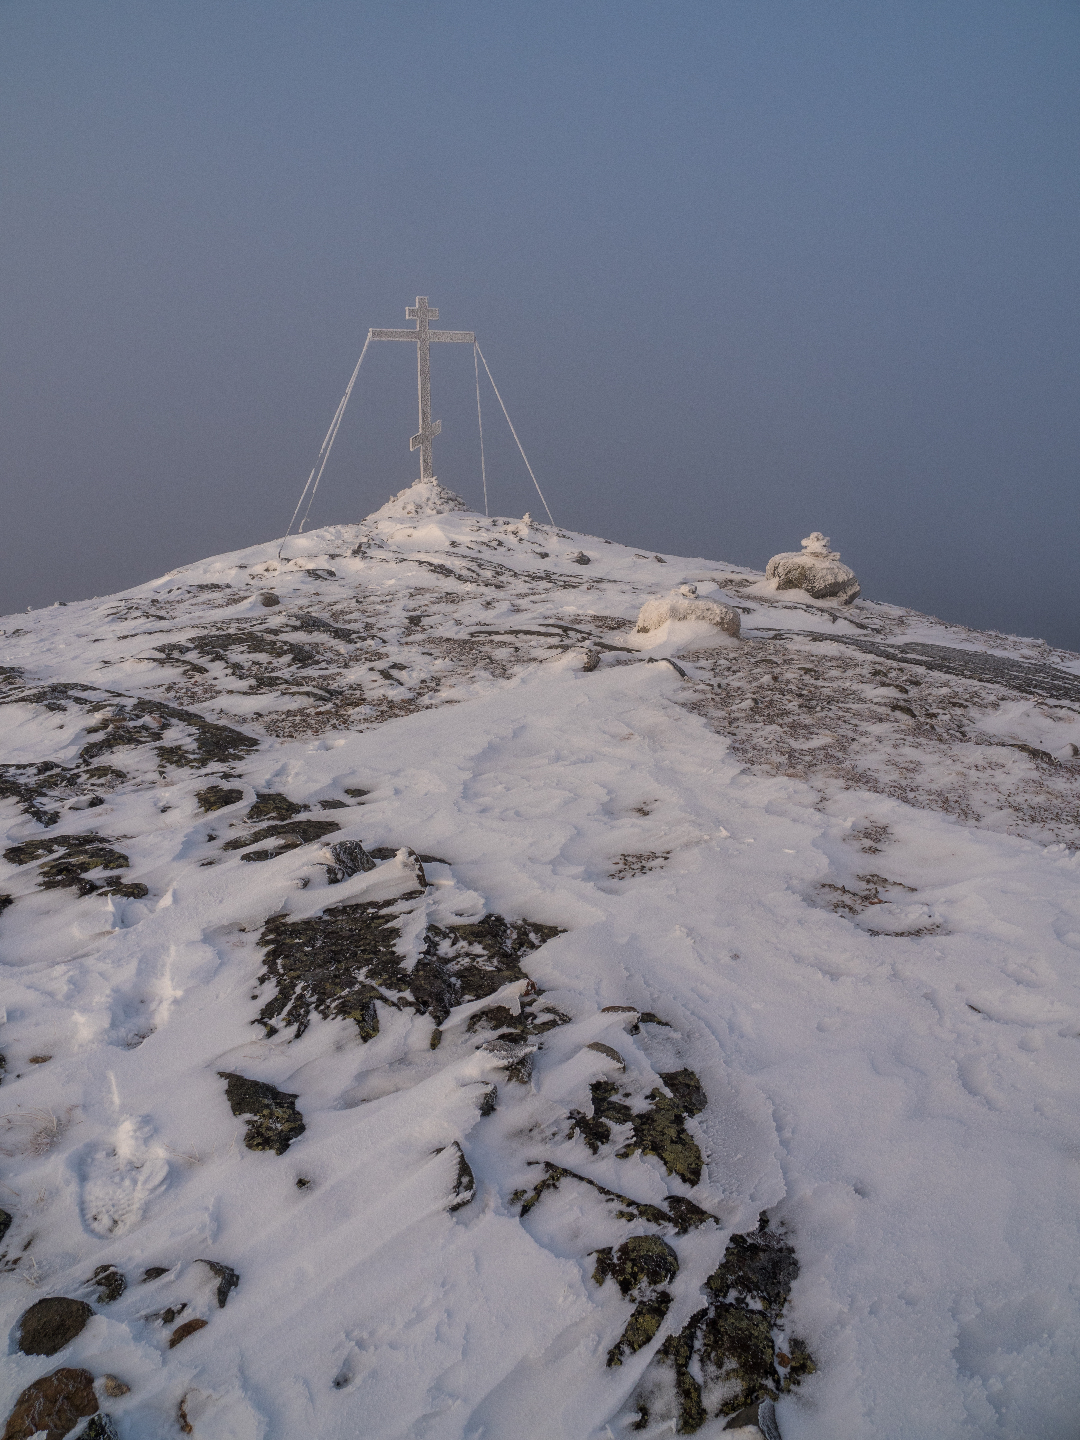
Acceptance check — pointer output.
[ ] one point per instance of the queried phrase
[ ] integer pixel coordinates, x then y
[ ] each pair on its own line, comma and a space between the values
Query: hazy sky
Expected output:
741, 270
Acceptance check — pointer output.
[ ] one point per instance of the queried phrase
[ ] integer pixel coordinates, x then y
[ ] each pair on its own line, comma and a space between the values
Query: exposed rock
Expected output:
181, 1332
268, 598
277, 1121
51, 1324
216, 797
725, 1358
684, 603
465, 1181
271, 806
110, 1283
5, 1217
100, 1427
342, 962
114, 1387
640, 1266
817, 570
227, 1277
349, 857
54, 1405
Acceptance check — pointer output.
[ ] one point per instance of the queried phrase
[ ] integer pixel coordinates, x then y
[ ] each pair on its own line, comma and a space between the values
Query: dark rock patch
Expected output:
109, 1282
269, 806
340, 963
276, 1123
51, 1324
681, 1214
290, 836
464, 1182
68, 870
217, 797
227, 1277
731, 1338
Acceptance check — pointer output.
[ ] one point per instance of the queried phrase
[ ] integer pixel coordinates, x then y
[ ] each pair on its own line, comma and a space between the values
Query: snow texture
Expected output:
459, 877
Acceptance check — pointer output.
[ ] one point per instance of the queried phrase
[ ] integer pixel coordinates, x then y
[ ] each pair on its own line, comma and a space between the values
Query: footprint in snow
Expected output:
119, 1179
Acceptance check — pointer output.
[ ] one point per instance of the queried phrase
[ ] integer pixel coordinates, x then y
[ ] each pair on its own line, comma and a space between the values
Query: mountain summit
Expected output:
441, 1002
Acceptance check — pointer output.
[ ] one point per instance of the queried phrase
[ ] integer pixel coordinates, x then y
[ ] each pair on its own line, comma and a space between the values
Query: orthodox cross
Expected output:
422, 337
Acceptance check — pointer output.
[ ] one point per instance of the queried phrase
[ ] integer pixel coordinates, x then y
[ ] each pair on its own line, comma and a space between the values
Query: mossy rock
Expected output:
641, 1263
217, 797
642, 1326
269, 806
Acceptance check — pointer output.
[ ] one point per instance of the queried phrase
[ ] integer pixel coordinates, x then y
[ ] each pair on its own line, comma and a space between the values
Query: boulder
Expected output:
52, 1405
816, 569
51, 1324
684, 603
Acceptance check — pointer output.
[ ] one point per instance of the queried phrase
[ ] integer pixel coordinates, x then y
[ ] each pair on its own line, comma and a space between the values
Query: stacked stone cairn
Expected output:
817, 570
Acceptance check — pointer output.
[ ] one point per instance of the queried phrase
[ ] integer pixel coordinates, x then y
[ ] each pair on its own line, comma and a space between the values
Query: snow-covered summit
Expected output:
422, 497
419, 982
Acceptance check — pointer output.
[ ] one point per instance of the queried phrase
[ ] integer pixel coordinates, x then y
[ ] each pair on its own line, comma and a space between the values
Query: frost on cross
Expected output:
816, 569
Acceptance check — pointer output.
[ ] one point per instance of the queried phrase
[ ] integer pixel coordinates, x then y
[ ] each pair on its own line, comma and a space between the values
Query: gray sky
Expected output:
741, 270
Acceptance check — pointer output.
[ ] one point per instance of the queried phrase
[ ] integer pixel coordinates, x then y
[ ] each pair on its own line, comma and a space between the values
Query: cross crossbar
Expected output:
422, 337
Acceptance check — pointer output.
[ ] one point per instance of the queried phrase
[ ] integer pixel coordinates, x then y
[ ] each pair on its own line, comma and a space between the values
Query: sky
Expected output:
741, 269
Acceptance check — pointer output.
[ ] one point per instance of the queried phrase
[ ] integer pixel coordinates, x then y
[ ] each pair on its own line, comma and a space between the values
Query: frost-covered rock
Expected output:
422, 497
684, 603
816, 569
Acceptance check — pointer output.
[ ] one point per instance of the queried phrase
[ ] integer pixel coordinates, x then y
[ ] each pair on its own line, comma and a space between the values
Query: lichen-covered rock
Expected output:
816, 569
51, 1324
276, 1123
53, 1405
684, 603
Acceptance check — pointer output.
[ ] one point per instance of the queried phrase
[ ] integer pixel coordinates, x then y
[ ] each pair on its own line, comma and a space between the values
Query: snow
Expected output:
860, 924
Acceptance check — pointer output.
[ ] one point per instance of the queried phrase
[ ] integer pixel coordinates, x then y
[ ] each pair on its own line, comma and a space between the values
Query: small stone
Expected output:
51, 1324
54, 1404
181, 1332
114, 1387
580, 558
100, 1427
5, 1223
155, 1272
268, 598
110, 1283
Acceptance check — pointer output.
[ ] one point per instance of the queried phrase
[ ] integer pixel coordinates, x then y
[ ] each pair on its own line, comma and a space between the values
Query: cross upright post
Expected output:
422, 337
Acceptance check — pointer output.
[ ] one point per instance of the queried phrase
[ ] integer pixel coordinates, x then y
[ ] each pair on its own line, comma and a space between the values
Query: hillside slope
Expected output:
455, 1014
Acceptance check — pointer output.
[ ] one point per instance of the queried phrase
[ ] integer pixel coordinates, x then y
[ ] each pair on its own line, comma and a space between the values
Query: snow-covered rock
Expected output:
684, 604
422, 497
815, 569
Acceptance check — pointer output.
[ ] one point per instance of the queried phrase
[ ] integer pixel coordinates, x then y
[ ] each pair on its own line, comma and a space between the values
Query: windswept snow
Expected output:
533, 936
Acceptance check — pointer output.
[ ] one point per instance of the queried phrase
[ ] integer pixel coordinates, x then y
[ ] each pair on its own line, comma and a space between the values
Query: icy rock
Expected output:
816, 569
684, 603
422, 497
